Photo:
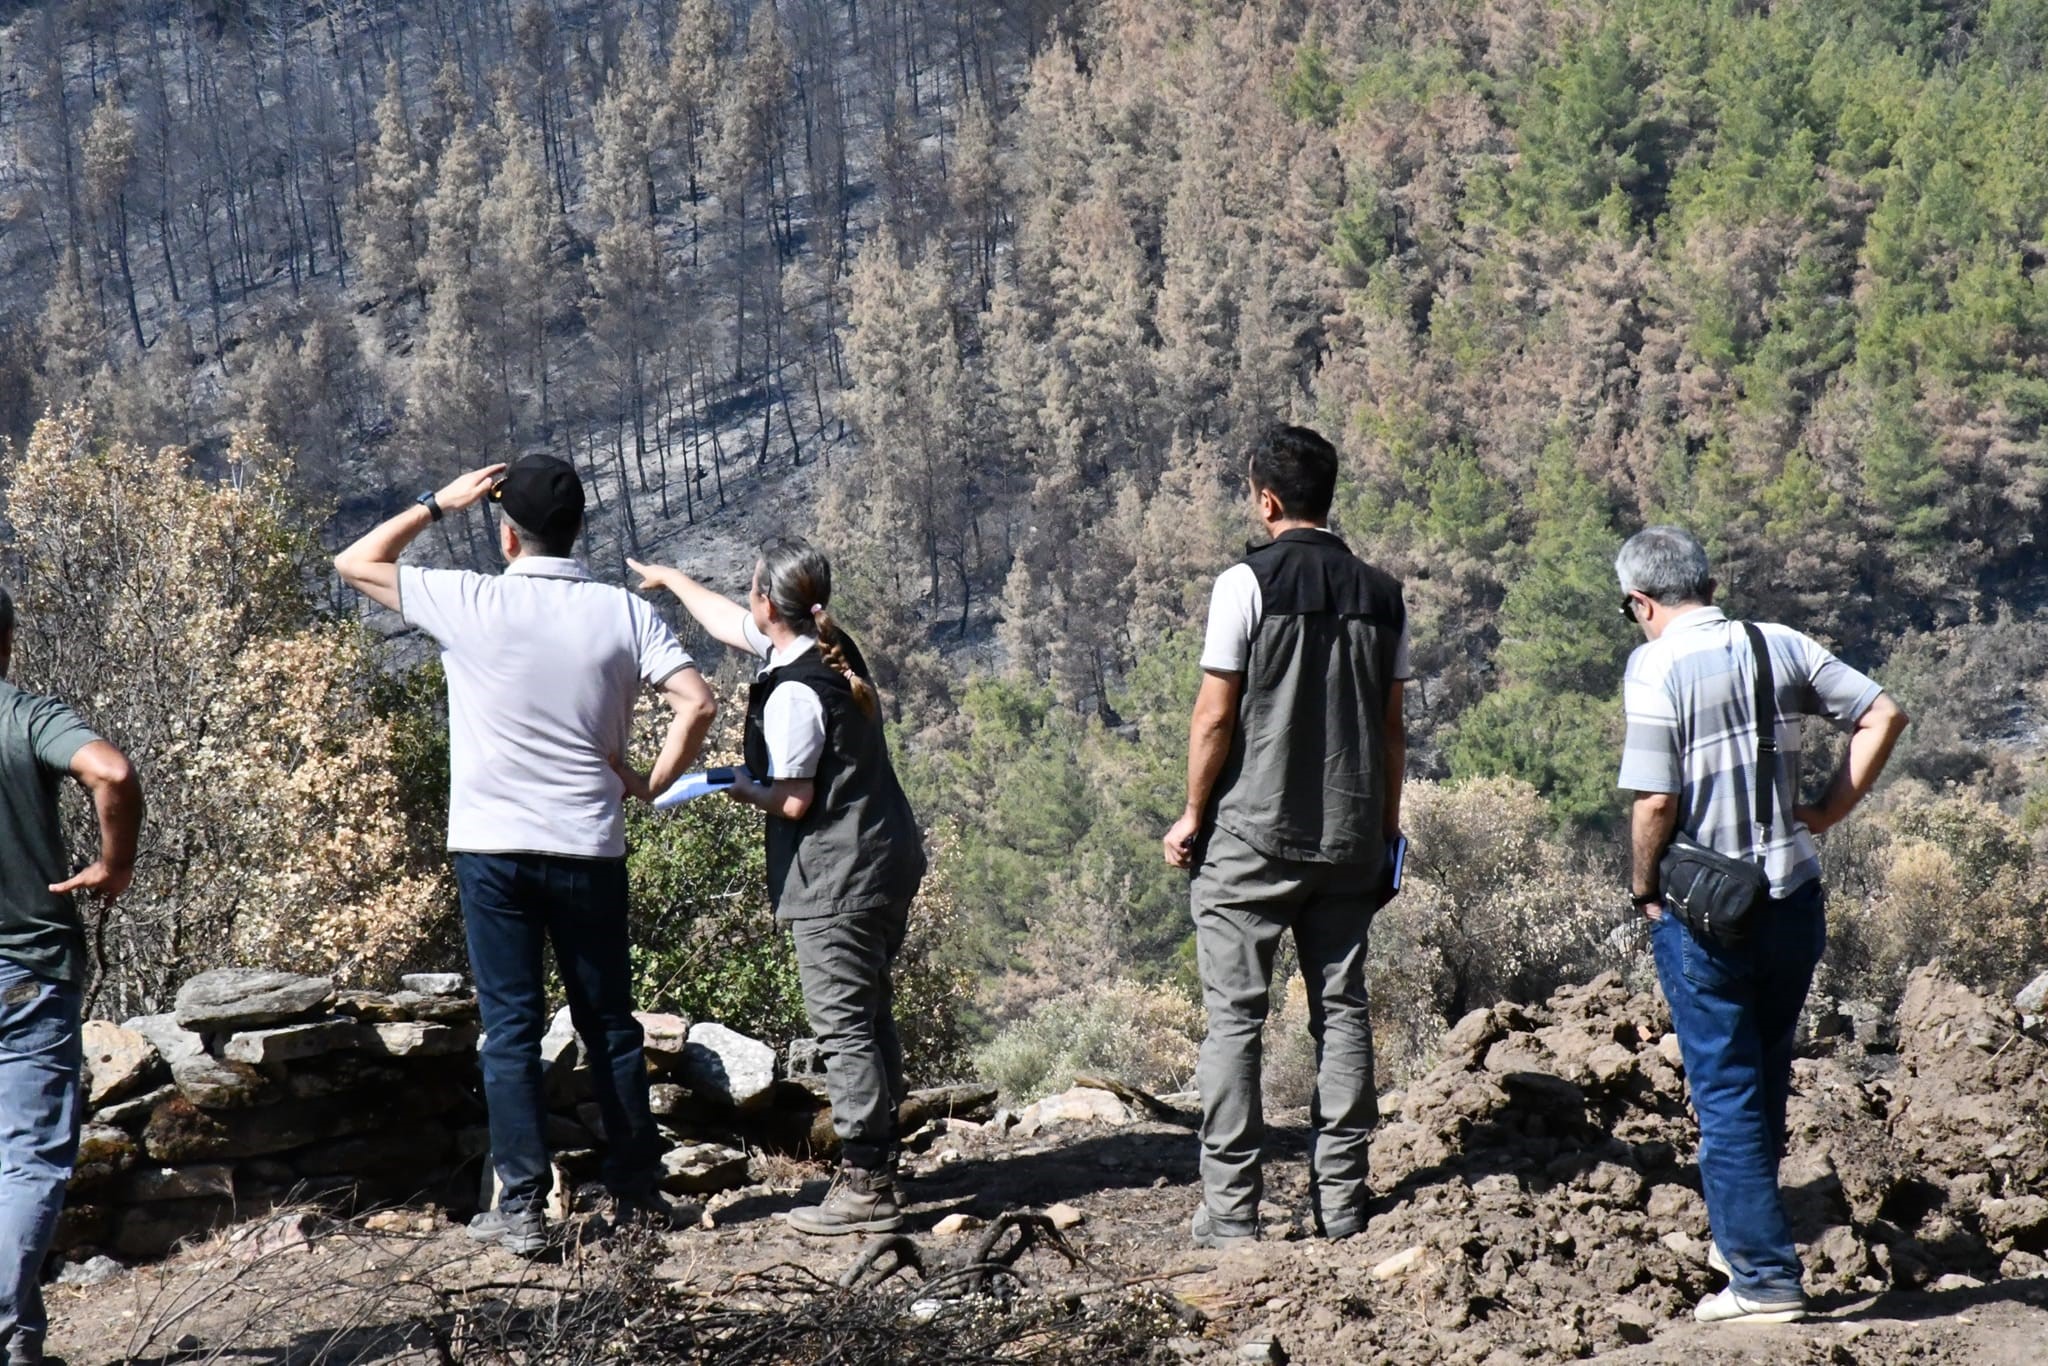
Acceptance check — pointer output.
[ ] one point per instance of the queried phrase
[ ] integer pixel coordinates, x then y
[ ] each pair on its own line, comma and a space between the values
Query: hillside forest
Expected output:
989, 299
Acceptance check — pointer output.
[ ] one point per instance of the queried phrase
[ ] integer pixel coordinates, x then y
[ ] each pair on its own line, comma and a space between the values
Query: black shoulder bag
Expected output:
1716, 896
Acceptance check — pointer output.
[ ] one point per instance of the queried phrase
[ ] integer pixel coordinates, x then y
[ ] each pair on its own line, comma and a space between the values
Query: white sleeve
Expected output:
793, 724
661, 655
756, 641
1235, 608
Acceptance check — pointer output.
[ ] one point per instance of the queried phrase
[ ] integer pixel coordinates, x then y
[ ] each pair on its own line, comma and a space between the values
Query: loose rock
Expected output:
93, 1271
417, 1039
201, 1181
219, 1085
727, 1067
104, 1152
228, 999
1081, 1105
290, 1043
434, 983
1399, 1264
172, 1041
666, 1038
702, 1169
118, 1061
132, 1112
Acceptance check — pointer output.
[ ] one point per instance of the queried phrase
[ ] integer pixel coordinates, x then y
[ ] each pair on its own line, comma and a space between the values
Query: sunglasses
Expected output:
1628, 609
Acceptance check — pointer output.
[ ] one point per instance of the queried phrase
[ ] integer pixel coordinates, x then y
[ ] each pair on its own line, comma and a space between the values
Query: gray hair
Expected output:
1666, 564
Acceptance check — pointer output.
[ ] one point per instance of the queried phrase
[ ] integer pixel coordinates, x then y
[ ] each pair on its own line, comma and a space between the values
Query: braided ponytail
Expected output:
797, 579
832, 649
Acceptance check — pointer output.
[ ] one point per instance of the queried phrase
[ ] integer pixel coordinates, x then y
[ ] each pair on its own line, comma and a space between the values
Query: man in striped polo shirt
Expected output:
1691, 760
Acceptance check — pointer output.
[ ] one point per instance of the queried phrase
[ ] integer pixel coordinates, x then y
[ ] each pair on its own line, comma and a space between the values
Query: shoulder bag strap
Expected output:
1764, 715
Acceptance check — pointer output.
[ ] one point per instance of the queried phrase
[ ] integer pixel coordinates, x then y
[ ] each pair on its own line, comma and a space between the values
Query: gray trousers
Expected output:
1243, 902
842, 962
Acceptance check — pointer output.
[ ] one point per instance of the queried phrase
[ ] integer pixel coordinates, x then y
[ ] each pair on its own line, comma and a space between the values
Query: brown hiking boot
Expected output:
857, 1202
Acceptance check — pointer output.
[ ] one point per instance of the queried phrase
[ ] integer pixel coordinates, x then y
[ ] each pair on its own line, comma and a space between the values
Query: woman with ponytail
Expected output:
844, 854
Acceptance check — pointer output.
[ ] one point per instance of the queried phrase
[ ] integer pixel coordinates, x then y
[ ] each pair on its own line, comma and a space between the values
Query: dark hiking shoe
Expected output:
857, 1202
1206, 1232
648, 1209
521, 1232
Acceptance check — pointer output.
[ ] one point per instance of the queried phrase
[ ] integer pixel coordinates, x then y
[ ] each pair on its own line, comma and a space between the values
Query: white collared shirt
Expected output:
544, 665
793, 722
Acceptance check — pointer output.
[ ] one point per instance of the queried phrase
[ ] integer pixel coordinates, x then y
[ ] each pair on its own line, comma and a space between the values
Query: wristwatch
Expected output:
1649, 900
431, 504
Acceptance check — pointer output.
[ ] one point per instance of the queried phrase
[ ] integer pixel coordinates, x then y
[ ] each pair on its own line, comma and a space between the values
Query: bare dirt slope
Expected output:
1539, 1205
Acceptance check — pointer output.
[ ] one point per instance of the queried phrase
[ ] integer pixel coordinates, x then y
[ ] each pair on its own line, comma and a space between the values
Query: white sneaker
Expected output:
1717, 1261
1725, 1306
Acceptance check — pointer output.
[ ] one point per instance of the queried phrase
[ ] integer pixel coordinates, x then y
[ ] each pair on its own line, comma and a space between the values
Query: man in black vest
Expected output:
1295, 756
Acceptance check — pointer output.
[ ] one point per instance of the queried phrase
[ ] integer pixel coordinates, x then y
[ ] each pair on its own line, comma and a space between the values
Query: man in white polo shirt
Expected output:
544, 665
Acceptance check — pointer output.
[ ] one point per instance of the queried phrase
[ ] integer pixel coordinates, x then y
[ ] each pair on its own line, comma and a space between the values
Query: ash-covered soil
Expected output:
1539, 1204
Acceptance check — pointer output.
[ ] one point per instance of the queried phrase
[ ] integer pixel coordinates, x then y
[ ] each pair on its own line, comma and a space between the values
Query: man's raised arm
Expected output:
370, 566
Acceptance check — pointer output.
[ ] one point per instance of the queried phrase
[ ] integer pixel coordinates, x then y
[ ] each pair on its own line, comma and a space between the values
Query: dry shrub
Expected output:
303, 771
1146, 1035
1495, 906
1958, 882
174, 614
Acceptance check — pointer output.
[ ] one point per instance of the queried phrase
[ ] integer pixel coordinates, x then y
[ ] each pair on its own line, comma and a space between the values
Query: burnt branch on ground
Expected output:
341, 1294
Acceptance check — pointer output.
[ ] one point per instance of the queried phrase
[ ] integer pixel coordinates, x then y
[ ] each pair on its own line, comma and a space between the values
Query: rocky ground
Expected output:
1539, 1204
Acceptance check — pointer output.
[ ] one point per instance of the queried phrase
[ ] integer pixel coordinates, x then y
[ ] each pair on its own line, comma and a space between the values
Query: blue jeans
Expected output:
39, 1115
1735, 1011
513, 904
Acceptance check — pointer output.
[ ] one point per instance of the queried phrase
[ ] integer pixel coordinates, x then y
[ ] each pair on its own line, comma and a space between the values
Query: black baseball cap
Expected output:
542, 494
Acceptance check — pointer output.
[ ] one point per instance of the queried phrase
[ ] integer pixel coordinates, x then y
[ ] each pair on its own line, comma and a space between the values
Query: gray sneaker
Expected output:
522, 1232
1205, 1232
857, 1202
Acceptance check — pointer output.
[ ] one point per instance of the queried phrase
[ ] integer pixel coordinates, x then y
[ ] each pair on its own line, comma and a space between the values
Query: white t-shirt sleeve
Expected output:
441, 602
756, 640
1838, 692
1235, 607
661, 655
793, 724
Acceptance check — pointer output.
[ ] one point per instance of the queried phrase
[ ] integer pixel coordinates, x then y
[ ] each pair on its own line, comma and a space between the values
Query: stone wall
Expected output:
262, 1089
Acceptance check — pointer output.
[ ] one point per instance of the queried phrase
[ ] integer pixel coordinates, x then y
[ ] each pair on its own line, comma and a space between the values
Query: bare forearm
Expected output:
370, 566
1397, 772
119, 808
715, 612
1651, 823
788, 798
679, 749
386, 541
1870, 749
1208, 750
